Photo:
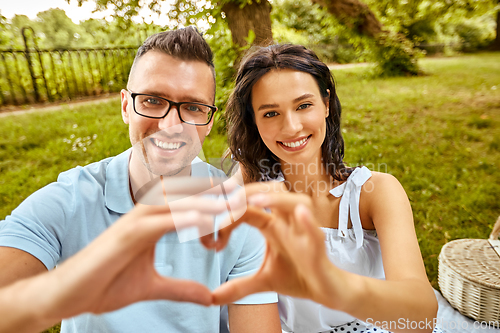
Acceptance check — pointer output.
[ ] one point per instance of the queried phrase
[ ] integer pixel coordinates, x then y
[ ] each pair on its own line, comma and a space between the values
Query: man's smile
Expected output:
168, 145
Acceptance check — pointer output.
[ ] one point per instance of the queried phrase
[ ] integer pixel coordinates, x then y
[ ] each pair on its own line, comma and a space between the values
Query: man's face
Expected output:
167, 146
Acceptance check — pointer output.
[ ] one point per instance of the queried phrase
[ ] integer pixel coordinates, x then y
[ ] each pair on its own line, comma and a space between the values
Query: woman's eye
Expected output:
304, 106
271, 114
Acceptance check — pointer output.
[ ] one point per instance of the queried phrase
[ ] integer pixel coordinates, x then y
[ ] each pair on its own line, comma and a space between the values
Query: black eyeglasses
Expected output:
155, 107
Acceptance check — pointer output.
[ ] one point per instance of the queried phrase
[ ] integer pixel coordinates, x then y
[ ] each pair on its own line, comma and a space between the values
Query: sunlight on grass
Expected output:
438, 134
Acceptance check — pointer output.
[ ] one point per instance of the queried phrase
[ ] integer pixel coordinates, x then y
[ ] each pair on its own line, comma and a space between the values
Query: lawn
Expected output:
439, 134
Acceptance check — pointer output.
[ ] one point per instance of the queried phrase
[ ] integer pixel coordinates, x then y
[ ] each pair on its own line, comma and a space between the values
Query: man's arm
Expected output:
251, 318
16, 265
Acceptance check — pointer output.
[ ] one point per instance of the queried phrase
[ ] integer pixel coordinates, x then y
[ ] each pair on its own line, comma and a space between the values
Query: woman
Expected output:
284, 124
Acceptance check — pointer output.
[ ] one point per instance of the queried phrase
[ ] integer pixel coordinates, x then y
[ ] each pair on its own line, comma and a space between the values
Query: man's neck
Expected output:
141, 179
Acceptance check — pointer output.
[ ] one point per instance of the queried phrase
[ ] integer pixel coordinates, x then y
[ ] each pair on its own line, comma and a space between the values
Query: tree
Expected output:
58, 29
418, 19
496, 43
254, 16
242, 16
250, 21
4, 37
354, 14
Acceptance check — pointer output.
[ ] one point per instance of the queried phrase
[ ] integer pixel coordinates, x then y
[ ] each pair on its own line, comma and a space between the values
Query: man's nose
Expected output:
171, 123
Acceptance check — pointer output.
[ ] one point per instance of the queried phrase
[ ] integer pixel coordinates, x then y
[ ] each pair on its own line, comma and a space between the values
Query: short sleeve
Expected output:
249, 262
37, 225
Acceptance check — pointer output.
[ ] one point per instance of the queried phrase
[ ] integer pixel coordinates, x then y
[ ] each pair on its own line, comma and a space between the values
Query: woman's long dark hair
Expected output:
245, 142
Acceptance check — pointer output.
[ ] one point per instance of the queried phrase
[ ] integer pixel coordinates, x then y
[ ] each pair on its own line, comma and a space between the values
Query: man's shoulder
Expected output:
201, 168
94, 172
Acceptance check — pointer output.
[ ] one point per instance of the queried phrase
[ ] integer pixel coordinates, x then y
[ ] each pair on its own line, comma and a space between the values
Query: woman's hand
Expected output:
295, 263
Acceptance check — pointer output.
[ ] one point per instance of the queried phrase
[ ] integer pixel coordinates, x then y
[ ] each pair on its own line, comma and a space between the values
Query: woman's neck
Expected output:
311, 179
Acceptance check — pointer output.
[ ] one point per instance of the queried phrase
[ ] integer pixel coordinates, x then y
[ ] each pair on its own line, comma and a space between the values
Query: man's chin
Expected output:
171, 171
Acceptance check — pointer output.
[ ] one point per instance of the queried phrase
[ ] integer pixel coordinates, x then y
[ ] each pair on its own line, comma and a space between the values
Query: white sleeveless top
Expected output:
355, 250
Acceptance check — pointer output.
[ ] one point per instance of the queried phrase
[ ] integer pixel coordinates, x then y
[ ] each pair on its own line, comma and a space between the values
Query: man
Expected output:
168, 106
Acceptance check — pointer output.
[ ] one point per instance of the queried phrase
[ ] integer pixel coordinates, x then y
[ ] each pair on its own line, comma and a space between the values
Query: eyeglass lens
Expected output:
193, 113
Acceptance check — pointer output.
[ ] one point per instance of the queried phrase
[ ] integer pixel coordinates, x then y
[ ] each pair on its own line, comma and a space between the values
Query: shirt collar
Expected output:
117, 189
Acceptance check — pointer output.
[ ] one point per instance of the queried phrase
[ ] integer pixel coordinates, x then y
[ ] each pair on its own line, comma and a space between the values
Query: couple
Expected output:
363, 266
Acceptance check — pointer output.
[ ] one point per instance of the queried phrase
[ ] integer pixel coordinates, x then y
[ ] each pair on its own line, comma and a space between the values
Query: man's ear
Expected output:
327, 103
124, 105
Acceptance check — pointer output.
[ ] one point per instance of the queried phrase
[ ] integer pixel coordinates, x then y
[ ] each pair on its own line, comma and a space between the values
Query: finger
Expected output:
204, 205
199, 185
253, 216
265, 187
236, 289
284, 202
305, 218
148, 229
181, 291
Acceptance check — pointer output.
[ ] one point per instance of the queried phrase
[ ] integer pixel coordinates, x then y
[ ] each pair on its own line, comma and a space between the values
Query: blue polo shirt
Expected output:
60, 219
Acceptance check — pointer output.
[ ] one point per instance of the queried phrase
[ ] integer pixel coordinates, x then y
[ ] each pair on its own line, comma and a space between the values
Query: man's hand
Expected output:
117, 268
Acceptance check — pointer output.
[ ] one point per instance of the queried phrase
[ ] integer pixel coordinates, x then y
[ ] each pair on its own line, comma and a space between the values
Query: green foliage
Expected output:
396, 56
470, 23
57, 28
301, 22
225, 58
474, 34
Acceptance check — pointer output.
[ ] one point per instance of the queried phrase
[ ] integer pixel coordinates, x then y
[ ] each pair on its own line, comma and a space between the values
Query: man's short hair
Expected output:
186, 44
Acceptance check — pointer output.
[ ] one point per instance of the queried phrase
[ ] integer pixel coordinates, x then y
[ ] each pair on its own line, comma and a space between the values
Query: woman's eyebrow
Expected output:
272, 106
268, 106
307, 95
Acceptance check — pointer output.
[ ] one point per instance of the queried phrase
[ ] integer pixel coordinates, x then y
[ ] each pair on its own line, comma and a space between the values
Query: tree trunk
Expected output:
495, 46
354, 14
255, 16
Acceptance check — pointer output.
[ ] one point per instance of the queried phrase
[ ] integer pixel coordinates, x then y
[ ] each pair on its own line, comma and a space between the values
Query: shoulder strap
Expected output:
350, 192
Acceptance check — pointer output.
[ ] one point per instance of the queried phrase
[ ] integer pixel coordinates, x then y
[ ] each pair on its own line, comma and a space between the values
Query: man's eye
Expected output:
271, 114
304, 106
193, 108
153, 101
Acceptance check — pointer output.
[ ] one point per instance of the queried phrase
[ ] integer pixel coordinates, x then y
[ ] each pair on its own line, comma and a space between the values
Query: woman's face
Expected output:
290, 115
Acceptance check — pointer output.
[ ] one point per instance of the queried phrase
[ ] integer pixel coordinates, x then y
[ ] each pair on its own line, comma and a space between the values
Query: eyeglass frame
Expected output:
170, 104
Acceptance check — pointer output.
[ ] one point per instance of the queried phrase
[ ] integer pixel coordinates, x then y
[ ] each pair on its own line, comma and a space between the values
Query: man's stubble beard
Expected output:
160, 168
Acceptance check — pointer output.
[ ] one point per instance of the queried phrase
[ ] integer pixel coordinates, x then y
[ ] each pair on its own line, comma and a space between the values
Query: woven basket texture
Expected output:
469, 278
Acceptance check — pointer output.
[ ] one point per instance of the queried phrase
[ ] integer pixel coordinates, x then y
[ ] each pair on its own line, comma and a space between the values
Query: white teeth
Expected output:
167, 145
294, 144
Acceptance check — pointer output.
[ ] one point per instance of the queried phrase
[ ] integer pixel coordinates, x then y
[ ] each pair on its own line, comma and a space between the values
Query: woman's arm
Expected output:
297, 264
406, 297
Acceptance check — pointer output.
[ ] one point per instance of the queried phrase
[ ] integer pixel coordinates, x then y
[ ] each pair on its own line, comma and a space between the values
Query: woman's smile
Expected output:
294, 144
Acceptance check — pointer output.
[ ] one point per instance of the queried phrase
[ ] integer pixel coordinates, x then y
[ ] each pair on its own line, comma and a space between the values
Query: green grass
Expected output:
439, 134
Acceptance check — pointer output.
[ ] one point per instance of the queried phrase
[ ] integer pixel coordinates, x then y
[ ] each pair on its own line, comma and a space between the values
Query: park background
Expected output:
422, 103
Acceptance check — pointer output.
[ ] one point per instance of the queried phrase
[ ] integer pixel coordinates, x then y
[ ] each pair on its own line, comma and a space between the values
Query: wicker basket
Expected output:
469, 276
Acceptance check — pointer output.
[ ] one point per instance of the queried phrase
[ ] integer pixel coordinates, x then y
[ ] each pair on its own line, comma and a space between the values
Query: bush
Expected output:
396, 56
473, 35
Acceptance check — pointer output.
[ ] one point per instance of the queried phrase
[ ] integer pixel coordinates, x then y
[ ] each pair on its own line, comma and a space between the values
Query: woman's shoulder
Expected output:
379, 194
380, 181
382, 186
